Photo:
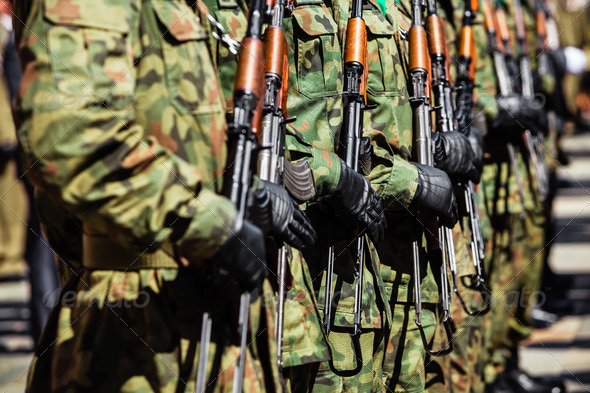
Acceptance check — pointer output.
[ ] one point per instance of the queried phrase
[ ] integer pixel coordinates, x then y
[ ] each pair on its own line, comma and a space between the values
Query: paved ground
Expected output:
563, 349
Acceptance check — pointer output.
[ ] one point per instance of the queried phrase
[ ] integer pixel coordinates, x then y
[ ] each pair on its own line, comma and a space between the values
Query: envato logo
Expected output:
522, 298
71, 299
73, 102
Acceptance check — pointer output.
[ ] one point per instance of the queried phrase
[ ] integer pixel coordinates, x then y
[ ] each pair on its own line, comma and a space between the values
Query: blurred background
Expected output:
29, 284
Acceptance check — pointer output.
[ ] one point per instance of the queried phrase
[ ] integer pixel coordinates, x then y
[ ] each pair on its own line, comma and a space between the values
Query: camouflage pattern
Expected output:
304, 340
315, 33
461, 371
231, 14
389, 126
515, 266
405, 359
122, 125
515, 261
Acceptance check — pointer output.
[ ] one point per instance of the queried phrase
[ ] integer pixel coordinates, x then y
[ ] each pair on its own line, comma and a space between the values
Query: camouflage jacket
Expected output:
122, 126
303, 337
314, 34
130, 143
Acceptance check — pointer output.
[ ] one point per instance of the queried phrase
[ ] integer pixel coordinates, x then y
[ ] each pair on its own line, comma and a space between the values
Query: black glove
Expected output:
359, 201
243, 255
516, 114
454, 155
435, 195
284, 220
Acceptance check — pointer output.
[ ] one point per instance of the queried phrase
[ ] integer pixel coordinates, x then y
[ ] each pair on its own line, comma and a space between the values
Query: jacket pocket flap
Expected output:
315, 20
98, 14
180, 21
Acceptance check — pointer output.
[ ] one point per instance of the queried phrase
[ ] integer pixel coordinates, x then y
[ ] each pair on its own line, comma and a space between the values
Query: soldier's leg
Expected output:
366, 370
409, 365
499, 279
464, 364
304, 343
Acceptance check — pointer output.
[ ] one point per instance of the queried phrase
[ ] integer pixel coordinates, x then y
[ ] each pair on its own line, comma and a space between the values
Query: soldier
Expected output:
121, 122
344, 202
304, 344
516, 214
405, 187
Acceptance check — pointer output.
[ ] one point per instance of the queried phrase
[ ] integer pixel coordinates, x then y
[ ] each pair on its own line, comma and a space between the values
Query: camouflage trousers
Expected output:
304, 340
405, 358
139, 331
516, 255
461, 370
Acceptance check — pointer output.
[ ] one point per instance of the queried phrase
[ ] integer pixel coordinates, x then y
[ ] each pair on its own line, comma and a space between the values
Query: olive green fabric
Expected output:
315, 35
122, 125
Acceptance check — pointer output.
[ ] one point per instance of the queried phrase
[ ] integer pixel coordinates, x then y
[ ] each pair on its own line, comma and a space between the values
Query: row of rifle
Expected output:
257, 139
429, 71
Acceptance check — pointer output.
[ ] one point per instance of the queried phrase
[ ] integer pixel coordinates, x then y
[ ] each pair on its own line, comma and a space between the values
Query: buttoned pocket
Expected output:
89, 52
319, 59
384, 61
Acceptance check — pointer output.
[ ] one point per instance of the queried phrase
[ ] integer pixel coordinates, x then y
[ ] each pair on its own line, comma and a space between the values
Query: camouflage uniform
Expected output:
304, 342
122, 129
515, 249
389, 126
315, 32
461, 371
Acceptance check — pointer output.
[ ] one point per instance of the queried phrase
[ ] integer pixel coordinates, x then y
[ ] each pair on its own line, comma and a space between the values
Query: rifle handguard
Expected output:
248, 78
418, 44
437, 42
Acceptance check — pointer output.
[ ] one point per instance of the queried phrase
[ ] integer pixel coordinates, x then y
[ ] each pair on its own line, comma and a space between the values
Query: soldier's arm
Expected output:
325, 165
394, 178
81, 144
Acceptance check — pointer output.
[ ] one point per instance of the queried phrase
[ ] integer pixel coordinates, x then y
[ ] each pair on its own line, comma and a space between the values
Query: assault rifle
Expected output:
243, 144
423, 154
356, 153
497, 42
271, 159
447, 121
528, 91
272, 165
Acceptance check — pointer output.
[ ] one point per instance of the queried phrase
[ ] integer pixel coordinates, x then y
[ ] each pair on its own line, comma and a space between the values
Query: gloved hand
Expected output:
435, 195
359, 201
516, 114
283, 218
454, 155
243, 255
